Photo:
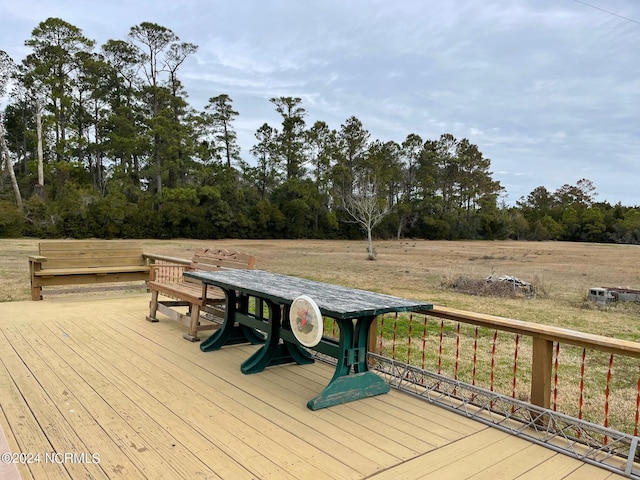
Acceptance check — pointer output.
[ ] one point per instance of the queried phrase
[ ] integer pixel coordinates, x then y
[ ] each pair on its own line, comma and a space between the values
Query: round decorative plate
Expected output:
306, 321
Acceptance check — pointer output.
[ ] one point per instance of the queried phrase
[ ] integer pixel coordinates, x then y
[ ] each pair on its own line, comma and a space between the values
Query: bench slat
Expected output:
187, 291
54, 272
210, 259
88, 279
76, 246
96, 259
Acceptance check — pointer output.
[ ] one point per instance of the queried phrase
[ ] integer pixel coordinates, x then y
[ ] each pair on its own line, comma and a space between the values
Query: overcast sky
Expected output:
549, 90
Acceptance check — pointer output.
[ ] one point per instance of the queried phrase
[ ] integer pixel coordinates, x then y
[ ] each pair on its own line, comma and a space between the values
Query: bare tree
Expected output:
4, 152
35, 95
7, 70
367, 207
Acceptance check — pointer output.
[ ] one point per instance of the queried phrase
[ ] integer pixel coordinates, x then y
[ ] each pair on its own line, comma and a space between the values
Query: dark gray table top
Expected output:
334, 301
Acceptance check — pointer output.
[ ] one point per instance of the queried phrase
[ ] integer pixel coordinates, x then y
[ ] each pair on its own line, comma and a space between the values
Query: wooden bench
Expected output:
74, 262
205, 303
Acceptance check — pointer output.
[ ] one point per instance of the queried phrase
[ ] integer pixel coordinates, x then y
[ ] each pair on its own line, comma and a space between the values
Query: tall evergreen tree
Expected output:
123, 132
322, 147
266, 173
406, 202
291, 139
221, 118
51, 68
152, 42
353, 143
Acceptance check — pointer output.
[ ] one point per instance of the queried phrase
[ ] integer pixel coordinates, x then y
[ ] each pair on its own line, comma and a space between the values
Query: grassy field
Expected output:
424, 270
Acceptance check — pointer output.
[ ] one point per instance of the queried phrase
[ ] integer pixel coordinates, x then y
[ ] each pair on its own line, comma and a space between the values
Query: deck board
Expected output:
33, 384
253, 430
76, 398
138, 427
93, 376
157, 385
291, 403
516, 464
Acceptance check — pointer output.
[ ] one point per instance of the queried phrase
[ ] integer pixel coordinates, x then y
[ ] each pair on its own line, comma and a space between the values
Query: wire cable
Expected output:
607, 11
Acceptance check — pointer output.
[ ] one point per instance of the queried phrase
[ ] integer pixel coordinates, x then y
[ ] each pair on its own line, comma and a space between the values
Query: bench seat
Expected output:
188, 292
55, 272
205, 303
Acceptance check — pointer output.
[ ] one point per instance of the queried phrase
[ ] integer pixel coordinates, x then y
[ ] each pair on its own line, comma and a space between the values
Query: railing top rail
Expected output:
536, 330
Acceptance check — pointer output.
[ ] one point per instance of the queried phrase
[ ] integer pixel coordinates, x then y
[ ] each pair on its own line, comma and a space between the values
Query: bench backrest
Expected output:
91, 253
209, 259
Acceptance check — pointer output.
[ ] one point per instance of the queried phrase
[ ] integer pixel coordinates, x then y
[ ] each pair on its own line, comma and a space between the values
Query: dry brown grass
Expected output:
420, 269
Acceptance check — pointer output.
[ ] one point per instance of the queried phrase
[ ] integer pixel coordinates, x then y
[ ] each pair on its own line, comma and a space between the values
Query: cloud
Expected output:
548, 90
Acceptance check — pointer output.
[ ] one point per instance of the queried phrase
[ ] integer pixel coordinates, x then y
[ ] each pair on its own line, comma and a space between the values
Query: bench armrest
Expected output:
35, 264
164, 258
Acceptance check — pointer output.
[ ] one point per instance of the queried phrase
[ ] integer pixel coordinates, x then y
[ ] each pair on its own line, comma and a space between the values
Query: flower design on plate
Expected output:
303, 320
306, 321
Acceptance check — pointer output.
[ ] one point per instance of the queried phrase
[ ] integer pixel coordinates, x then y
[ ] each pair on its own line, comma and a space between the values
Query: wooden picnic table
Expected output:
353, 310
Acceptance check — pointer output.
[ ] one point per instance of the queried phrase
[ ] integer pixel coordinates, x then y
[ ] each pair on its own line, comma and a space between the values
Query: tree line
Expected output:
102, 142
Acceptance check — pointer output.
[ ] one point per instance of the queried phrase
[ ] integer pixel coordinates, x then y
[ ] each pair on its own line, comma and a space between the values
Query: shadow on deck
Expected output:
116, 397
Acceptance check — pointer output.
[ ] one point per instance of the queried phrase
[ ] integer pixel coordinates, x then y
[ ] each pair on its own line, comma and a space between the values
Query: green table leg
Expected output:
346, 386
349, 388
273, 352
230, 333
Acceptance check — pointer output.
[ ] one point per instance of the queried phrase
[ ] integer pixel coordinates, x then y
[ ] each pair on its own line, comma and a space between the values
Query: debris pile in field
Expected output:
494, 286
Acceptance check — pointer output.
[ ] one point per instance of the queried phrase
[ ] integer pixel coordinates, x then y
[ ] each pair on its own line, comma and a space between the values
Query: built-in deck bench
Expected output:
205, 302
76, 262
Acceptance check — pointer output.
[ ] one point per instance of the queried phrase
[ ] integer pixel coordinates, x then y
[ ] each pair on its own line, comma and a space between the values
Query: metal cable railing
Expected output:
563, 433
574, 392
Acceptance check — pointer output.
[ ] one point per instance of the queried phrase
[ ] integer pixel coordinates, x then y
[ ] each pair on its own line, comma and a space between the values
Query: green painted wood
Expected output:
275, 354
232, 333
334, 301
348, 389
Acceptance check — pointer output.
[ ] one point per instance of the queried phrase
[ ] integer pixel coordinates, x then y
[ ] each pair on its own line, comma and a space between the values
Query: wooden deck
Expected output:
92, 379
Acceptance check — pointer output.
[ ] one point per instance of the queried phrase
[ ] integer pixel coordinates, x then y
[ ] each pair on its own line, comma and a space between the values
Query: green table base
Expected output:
353, 310
348, 388
351, 379
232, 332
278, 354
234, 335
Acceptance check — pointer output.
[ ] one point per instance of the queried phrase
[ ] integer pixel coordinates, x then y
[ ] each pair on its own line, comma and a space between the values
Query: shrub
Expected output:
11, 220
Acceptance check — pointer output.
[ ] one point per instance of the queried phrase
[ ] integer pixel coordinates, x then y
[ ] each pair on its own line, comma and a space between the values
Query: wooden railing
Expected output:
587, 376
